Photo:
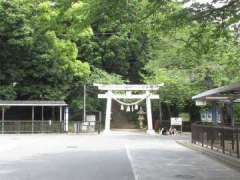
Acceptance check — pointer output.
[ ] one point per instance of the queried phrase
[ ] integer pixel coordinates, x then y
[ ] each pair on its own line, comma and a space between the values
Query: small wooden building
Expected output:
222, 131
33, 116
220, 102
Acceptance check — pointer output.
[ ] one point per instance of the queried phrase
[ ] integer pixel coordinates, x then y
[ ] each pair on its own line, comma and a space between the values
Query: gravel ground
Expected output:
119, 156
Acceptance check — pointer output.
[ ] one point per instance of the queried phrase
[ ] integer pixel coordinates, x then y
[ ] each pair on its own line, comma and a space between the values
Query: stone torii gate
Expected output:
124, 91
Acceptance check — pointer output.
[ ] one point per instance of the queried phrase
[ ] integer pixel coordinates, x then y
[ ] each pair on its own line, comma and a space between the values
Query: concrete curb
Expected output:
228, 160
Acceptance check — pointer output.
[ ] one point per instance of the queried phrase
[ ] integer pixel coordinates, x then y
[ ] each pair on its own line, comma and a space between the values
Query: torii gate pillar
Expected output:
108, 113
149, 115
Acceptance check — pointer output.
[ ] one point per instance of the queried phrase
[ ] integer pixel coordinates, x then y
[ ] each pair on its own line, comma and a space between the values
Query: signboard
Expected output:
206, 115
201, 103
90, 118
176, 121
219, 116
203, 116
209, 116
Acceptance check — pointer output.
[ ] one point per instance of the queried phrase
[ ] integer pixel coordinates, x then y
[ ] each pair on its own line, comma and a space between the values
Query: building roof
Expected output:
221, 93
32, 103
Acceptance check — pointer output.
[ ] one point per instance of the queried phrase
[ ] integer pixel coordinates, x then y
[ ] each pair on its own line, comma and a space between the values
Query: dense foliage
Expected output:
51, 48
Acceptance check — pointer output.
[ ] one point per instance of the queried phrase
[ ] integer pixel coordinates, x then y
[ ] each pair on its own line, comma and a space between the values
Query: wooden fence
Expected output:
13, 127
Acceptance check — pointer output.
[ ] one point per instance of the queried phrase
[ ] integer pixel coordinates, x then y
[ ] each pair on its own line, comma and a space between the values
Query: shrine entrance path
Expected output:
120, 156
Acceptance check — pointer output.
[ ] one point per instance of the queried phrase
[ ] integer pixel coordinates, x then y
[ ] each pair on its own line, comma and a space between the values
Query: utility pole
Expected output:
160, 110
84, 103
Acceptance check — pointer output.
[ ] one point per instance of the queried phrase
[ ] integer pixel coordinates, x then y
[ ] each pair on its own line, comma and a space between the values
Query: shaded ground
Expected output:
115, 157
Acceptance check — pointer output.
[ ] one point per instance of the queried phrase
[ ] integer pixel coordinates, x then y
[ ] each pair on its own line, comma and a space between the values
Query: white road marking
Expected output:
131, 162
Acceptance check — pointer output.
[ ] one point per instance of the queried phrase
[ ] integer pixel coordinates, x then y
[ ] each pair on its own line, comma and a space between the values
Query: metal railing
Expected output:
13, 127
223, 139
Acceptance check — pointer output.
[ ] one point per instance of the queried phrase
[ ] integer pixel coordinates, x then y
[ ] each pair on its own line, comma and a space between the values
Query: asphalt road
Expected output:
115, 157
